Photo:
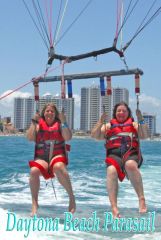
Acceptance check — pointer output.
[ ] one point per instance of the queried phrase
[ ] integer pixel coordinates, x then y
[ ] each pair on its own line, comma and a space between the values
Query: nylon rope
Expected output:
33, 20
57, 22
137, 92
49, 20
141, 26
51, 7
157, 12
128, 14
74, 21
42, 21
61, 21
117, 21
6, 95
142, 22
31, 81
121, 32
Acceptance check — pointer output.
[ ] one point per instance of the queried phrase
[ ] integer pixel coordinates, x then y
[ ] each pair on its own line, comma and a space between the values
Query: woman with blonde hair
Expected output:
50, 131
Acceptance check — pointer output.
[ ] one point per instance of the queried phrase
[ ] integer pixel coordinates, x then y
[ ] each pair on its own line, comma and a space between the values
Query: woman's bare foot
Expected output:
72, 205
142, 205
34, 209
115, 212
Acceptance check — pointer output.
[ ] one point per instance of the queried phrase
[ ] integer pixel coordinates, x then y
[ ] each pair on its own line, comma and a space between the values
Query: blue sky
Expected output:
23, 54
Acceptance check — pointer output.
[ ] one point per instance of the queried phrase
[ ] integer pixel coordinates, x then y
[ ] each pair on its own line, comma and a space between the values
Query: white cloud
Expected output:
149, 105
155, 102
6, 104
9, 97
47, 94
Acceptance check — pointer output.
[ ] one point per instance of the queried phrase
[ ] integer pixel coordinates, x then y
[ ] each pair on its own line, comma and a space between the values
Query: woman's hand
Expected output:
37, 117
62, 117
139, 115
103, 118
143, 128
98, 131
66, 132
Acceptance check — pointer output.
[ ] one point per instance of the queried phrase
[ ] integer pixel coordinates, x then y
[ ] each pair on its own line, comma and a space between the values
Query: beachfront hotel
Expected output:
150, 120
119, 95
92, 104
25, 108
90, 107
67, 104
23, 112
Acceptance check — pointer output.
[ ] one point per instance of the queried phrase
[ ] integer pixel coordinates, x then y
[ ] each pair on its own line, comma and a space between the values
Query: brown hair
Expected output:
122, 104
55, 109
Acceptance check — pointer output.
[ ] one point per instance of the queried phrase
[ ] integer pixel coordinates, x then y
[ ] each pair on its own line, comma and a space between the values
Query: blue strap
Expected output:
69, 84
102, 86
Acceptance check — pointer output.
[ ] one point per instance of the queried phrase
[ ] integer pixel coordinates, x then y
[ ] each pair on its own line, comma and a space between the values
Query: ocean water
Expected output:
88, 175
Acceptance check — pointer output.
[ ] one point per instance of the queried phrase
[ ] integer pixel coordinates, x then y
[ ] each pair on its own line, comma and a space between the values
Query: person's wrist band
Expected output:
142, 122
64, 125
34, 121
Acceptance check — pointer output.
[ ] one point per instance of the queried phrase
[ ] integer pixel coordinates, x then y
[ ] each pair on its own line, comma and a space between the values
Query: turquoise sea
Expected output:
88, 176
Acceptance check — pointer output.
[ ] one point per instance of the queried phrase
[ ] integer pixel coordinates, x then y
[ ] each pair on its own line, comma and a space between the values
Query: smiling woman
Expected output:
123, 155
50, 131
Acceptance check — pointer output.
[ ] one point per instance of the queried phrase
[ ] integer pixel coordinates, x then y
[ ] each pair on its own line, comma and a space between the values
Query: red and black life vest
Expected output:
122, 135
45, 135
122, 140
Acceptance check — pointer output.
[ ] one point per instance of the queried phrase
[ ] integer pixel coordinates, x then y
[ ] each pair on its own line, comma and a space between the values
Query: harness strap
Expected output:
121, 125
123, 134
122, 141
51, 150
126, 151
50, 157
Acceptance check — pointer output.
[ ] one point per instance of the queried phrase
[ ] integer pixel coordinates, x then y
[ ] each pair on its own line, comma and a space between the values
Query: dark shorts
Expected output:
115, 158
116, 154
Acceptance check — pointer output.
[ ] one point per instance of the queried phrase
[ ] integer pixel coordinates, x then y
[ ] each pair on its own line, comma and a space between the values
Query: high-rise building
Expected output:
93, 105
67, 104
90, 107
150, 120
84, 111
106, 105
94, 111
24, 110
119, 95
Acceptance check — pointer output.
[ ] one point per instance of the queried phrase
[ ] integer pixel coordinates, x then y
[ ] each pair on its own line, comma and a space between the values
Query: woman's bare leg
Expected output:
112, 188
35, 184
61, 172
34, 187
136, 180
